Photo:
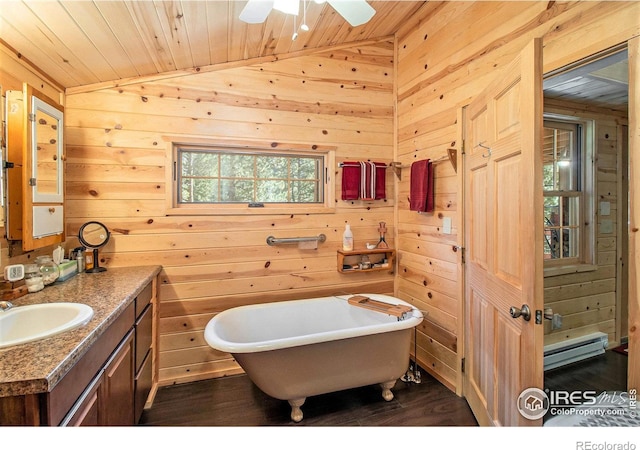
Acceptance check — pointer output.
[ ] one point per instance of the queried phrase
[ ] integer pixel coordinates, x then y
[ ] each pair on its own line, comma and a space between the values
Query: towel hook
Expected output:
480, 144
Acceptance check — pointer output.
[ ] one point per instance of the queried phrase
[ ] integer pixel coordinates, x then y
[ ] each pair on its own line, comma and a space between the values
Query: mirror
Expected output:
46, 151
94, 235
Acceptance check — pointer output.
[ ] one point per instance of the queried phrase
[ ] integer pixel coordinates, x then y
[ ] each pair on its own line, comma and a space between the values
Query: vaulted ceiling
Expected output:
78, 43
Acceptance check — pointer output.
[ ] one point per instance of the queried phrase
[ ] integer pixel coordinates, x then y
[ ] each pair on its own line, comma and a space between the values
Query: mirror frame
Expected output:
20, 205
86, 243
96, 262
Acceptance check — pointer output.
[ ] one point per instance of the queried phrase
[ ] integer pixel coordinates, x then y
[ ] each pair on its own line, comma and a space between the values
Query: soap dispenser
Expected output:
347, 239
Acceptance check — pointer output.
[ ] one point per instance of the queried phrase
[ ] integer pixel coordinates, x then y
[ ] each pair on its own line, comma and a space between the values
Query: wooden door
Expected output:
503, 241
633, 377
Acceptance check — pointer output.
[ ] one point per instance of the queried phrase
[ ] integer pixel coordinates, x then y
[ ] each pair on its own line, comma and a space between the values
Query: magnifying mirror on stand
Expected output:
94, 235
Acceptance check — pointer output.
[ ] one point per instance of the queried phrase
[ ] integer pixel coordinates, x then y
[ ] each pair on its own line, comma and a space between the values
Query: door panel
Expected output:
503, 223
633, 377
478, 252
508, 255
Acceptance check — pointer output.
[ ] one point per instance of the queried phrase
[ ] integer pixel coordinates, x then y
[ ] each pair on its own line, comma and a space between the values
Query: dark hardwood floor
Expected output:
236, 401
607, 372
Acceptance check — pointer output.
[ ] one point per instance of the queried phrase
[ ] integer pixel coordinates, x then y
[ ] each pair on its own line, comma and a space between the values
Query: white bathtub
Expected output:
295, 349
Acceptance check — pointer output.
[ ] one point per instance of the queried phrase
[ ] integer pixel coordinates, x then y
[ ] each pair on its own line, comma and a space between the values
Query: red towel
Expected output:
421, 187
363, 180
350, 181
381, 181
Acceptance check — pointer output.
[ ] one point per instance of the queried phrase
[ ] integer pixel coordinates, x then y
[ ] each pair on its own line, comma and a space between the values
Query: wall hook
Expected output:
480, 144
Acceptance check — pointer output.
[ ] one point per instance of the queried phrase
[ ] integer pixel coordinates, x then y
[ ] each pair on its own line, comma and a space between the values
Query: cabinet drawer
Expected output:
144, 330
144, 298
144, 381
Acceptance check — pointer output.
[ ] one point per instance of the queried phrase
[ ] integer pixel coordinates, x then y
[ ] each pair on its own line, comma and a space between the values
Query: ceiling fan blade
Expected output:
256, 11
356, 12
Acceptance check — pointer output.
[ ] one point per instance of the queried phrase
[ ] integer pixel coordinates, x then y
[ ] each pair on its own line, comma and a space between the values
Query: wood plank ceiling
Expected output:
79, 43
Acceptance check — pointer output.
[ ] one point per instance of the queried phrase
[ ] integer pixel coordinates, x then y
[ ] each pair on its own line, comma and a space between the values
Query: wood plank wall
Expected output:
116, 174
588, 301
447, 54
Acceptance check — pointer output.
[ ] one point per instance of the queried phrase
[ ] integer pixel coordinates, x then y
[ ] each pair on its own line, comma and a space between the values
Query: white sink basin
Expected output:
29, 323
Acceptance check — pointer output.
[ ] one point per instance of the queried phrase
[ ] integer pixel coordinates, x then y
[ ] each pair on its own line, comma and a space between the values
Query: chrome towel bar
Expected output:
294, 240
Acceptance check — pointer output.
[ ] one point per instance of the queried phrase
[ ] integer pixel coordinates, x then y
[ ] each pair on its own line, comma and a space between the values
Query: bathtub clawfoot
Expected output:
386, 390
296, 412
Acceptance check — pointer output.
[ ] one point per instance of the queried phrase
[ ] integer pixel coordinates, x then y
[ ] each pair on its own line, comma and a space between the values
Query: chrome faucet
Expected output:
5, 306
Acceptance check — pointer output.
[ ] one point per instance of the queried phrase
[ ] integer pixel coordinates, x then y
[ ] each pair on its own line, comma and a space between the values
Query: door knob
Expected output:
523, 311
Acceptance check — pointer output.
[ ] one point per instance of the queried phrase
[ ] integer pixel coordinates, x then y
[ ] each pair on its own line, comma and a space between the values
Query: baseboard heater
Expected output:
576, 349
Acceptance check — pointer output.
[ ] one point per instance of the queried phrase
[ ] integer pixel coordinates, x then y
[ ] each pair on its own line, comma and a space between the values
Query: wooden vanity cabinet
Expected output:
108, 399
109, 385
99, 389
63, 401
118, 393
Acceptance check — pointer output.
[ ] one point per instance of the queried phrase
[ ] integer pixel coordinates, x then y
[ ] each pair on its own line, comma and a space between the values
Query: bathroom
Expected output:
394, 97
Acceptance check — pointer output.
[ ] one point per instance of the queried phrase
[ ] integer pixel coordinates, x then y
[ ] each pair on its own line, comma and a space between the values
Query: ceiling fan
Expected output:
356, 12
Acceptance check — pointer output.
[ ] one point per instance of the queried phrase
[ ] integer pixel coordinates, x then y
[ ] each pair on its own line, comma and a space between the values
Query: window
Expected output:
218, 178
567, 235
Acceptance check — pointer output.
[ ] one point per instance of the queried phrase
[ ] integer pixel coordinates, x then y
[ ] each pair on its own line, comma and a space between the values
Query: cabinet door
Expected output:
86, 412
119, 385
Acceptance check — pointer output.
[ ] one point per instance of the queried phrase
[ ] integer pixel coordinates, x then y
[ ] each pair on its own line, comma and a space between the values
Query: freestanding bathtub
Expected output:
296, 349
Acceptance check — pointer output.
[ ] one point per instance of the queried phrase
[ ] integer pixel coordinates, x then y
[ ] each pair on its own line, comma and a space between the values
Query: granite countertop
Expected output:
36, 367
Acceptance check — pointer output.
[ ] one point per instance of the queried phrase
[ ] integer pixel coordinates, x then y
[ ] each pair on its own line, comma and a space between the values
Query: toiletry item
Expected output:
79, 252
88, 261
33, 278
48, 269
347, 239
58, 254
67, 270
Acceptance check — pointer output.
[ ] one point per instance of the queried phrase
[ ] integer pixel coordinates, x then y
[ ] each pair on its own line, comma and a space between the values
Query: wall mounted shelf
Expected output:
350, 261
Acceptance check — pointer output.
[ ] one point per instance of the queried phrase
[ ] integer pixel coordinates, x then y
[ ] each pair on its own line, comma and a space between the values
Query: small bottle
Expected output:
88, 261
33, 278
80, 260
347, 239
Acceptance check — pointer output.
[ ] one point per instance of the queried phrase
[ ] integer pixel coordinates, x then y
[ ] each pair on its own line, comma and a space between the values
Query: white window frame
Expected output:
327, 182
587, 193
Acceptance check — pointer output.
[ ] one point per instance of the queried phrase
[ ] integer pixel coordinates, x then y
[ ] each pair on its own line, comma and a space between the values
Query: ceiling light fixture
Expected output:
304, 26
356, 12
